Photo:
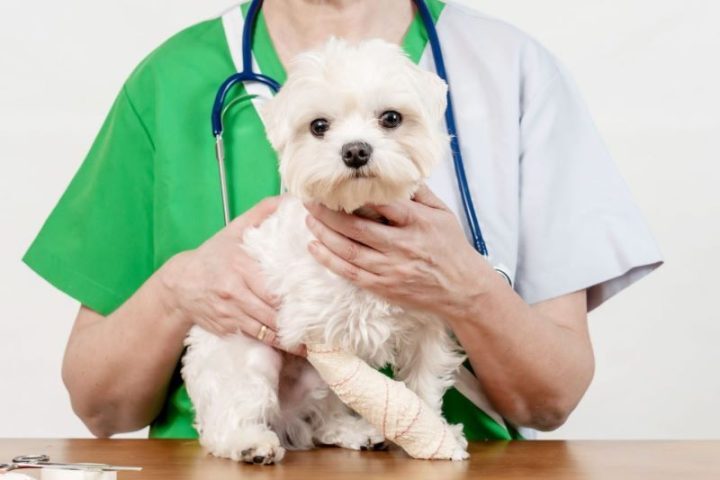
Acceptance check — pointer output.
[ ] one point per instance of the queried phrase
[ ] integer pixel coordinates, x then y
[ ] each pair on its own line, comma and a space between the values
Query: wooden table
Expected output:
178, 459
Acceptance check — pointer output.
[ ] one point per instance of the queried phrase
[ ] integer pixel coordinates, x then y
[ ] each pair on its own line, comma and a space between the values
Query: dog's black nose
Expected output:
356, 154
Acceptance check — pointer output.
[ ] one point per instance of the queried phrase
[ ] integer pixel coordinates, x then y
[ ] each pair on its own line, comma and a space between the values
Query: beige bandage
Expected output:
390, 406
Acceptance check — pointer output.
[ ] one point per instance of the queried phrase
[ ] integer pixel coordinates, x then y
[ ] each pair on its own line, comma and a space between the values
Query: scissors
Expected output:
43, 461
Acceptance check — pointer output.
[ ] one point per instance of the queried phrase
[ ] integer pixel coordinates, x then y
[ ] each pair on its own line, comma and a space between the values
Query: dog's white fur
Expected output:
252, 401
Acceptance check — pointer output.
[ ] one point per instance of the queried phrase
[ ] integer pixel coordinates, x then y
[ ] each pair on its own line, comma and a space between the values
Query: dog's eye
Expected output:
319, 126
390, 119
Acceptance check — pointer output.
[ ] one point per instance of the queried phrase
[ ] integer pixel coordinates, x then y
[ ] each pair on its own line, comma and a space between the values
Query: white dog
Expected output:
352, 125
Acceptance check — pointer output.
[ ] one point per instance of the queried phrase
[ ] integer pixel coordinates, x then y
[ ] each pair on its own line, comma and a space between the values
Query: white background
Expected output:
648, 69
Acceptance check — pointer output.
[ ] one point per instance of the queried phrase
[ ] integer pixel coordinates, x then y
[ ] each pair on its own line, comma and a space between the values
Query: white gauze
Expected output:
395, 410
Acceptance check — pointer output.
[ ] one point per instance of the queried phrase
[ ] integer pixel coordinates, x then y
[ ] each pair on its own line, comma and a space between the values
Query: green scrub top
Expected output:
148, 189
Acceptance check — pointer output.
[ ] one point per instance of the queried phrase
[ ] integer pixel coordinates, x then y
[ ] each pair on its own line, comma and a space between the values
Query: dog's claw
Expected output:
381, 446
262, 455
376, 447
250, 457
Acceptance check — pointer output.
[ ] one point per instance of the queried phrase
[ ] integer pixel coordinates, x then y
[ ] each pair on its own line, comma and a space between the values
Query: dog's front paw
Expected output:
264, 454
265, 450
361, 436
352, 433
371, 444
460, 453
361, 441
256, 444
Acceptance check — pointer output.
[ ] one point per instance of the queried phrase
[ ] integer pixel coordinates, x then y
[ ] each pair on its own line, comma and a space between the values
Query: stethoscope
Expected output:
248, 75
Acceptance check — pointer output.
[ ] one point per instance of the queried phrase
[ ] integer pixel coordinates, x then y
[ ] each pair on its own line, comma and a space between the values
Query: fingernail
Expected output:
275, 300
313, 246
310, 220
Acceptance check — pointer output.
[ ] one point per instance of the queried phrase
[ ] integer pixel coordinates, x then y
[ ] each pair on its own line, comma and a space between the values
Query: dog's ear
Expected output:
274, 114
434, 91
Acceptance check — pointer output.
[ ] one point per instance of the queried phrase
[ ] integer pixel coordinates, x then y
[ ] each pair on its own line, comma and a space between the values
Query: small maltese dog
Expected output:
353, 125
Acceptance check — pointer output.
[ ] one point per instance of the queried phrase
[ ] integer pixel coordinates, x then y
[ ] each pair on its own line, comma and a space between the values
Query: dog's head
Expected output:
357, 124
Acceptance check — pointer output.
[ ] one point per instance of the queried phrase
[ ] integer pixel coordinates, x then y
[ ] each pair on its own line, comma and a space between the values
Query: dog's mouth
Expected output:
362, 173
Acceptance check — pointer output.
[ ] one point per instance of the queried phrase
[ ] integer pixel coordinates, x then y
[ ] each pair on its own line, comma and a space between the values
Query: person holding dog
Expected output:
137, 238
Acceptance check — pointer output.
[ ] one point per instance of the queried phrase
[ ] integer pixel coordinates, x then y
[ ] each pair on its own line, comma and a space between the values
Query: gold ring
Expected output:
262, 333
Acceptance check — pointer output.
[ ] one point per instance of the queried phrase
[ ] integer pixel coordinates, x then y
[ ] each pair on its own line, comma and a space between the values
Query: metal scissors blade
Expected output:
43, 461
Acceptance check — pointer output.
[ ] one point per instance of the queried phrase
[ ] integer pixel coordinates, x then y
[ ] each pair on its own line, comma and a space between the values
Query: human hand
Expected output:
420, 260
219, 287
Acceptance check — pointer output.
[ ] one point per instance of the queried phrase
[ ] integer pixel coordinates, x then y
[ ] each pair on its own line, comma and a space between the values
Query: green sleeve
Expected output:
97, 244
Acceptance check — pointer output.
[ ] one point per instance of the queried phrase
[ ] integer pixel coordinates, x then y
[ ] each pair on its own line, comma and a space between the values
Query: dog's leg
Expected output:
233, 384
428, 363
339, 425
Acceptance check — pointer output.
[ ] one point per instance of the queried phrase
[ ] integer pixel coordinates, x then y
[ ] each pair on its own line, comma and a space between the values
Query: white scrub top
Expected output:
554, 209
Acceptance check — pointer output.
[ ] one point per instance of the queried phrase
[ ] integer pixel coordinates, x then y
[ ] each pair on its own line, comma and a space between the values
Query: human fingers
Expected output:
257, 309
427, 197
347, 249
256, 215
219, 326
404, 213
342, 267
254, 278
362, 230
260, 332
397, 213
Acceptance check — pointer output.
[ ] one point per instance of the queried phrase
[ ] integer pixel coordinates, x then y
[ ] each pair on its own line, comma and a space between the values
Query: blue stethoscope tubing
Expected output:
248, 75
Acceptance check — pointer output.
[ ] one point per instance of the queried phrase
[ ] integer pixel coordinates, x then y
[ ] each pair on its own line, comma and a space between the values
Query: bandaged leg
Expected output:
400, 415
